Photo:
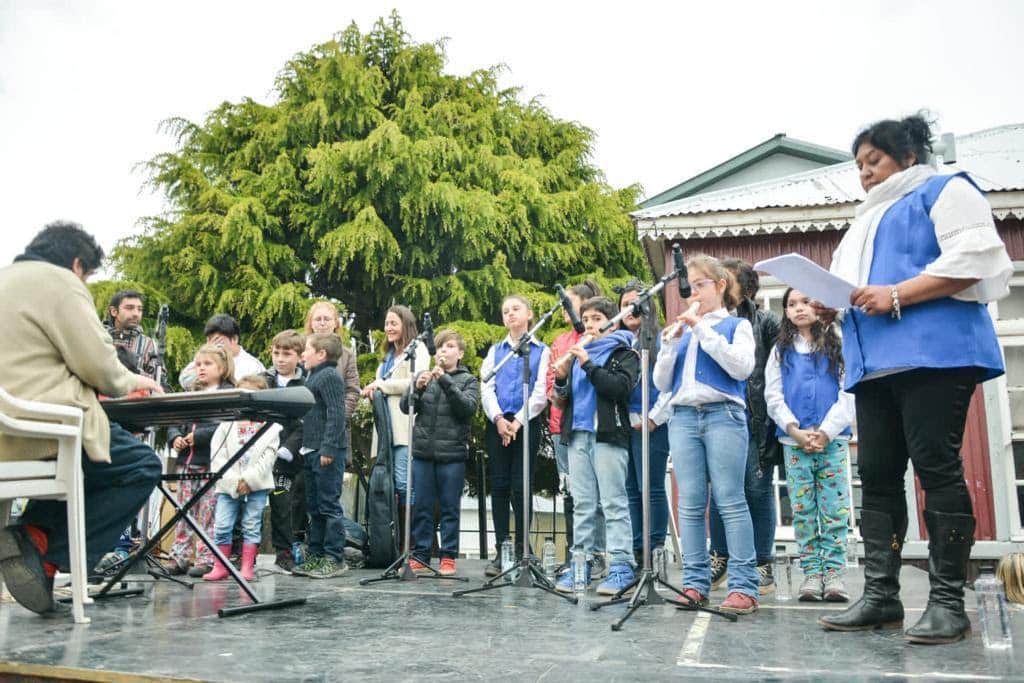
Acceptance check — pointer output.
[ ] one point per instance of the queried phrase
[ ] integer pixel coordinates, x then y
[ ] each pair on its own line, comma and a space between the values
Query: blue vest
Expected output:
809, 388
942, 333
708, 371
636, 399
508, 383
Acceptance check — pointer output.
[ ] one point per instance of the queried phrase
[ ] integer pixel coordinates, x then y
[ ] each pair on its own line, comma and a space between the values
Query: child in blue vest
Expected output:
802, 389
593, 392
703, 363
502, 400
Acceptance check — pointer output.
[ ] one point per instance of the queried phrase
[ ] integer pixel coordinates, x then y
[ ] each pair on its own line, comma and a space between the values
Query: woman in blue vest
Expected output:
926, 258
502, 401
803, 396
704, 370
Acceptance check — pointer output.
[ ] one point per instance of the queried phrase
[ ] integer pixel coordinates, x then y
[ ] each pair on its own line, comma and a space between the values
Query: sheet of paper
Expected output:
807, 276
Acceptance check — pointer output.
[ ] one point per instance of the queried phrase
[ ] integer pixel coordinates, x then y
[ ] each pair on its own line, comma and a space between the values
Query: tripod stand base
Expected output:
400, 570
530, 576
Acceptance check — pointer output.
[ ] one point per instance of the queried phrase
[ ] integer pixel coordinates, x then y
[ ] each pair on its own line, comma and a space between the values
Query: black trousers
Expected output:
287, 509
505, 470
917, 415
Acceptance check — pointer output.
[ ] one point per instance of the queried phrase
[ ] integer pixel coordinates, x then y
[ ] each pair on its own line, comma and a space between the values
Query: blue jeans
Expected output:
562, 462
436, 482
326, 532
656, 471
115, 491
226, 513
709, 443
597, 474
400, 455
757, 487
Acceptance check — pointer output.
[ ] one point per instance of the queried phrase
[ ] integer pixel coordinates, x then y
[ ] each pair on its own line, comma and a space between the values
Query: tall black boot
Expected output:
950, 537
879, 606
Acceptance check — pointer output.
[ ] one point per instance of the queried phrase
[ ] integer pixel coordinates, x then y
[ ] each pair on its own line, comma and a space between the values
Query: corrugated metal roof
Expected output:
994, 158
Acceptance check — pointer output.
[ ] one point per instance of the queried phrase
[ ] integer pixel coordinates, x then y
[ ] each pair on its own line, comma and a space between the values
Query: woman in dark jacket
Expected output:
446, 398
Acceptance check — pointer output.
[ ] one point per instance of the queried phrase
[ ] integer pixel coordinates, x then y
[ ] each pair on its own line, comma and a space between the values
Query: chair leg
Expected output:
5, 518
76, 548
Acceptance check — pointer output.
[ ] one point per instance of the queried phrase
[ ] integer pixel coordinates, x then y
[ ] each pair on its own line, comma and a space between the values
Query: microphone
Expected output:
684, 283
428, 334
577, 324
350, 321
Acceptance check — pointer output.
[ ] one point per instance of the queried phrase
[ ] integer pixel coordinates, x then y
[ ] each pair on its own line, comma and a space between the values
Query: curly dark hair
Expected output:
61, 242
901, 139
826, 340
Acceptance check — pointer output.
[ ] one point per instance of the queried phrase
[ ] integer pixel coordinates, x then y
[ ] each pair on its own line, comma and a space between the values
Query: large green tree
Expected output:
374, 178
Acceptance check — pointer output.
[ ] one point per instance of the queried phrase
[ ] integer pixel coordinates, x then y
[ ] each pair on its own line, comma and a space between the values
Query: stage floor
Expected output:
416, 630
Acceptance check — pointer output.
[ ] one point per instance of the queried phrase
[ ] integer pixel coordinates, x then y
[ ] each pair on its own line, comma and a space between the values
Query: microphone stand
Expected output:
530, 573
400, 569
646, 580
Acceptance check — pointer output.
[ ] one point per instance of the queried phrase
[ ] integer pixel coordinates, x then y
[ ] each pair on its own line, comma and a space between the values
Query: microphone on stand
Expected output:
577, 324
684, 283
428, 334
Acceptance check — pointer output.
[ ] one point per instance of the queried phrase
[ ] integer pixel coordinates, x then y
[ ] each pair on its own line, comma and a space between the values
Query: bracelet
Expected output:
896, 314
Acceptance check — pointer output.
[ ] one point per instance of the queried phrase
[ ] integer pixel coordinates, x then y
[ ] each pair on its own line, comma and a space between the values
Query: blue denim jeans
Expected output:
115, 491
226, 513
757, 487
656, 475
400, 456
441, 483
326, 532
709, 443
819, 494
597, 474
562, 462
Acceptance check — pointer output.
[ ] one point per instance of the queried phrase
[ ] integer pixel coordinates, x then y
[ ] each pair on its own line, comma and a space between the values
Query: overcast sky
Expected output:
669, 88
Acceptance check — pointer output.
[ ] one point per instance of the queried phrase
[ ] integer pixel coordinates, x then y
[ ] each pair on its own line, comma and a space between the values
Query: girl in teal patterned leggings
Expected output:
803, 377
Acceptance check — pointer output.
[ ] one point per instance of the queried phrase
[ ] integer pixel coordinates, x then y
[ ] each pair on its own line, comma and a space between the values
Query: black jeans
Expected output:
917, 415
505, 467
114, 494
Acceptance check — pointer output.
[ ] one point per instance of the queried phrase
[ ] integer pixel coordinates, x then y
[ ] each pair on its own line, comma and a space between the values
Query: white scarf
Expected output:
852, 258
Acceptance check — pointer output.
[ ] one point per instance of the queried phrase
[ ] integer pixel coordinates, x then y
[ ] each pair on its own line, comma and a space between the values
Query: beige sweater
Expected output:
394, 387
55, 350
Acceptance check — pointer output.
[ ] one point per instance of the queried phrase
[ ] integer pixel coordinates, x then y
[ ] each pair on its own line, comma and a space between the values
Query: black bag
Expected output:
381, 506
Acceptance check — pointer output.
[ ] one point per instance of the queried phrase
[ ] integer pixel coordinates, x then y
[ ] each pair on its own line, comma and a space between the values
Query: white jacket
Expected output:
256, 467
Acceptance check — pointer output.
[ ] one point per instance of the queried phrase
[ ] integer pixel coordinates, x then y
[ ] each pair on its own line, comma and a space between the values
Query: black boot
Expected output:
949, 548
879, 606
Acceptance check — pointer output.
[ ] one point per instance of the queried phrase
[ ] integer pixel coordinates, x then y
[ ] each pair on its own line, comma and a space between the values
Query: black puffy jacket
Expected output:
762, 429
444, 416
613, 382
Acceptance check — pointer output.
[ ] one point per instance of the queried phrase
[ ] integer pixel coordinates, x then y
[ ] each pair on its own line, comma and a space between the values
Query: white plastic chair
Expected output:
59, 479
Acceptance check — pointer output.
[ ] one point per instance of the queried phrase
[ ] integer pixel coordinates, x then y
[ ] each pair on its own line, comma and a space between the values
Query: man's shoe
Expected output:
719, 569
810, 589
447, 566
598, 567
306, 567
738, 603
765, 579
199, 570
620, 576
110, 562
494, 568
174, 567
284, 562
418, 568
328, 569
22, 567
834, 590
692, 599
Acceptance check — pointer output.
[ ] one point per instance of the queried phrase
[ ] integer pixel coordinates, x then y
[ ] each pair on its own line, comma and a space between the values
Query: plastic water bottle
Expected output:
297, 555
548, 558
992, 613
659, 563
851, 549
507, 557
579, 573
783, 575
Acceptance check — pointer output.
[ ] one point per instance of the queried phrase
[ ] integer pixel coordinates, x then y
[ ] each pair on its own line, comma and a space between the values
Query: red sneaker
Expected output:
695, 599
418, 567
738, 603
447, 566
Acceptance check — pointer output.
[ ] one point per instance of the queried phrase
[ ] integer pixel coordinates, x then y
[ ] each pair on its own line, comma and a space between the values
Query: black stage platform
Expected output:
417, 631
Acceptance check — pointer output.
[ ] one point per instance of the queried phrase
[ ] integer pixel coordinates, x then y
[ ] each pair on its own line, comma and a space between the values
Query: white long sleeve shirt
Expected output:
736, 358
839, 416
538, 395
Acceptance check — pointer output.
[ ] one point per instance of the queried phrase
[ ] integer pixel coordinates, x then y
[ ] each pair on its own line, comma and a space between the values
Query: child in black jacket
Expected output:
594, 393
446, 397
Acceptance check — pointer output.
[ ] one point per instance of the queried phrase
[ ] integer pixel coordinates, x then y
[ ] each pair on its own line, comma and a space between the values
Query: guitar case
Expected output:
381, 505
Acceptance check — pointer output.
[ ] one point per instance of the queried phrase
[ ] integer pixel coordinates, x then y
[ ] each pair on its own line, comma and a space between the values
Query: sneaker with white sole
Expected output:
810, 589
620, 575
328, 568
598, 567
765, 579
719, 569
833, 587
